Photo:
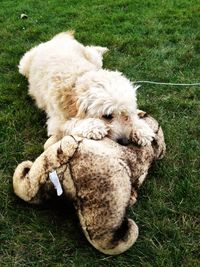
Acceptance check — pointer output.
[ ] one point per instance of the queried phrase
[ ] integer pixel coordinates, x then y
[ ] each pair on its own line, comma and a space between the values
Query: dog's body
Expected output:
67, 81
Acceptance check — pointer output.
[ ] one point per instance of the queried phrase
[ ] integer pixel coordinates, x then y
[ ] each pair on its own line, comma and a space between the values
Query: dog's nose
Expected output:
123, 141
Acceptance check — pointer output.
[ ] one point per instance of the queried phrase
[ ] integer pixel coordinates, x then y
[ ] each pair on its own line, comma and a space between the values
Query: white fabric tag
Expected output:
54, 179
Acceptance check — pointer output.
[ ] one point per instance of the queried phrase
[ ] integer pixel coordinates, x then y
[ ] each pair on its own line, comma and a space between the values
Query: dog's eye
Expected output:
108, 117
126, 118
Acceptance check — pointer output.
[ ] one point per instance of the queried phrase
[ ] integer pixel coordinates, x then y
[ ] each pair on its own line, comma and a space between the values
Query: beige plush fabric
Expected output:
101, 177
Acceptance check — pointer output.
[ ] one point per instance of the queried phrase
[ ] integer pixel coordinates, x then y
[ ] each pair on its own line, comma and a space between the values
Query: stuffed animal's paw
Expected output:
21, 183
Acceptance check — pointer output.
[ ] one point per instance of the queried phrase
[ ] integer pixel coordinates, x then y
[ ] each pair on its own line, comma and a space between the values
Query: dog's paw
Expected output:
91, 129
96, 133
143, 136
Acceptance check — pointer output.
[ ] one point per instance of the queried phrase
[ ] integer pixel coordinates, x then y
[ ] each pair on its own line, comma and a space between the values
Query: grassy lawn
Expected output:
148, 39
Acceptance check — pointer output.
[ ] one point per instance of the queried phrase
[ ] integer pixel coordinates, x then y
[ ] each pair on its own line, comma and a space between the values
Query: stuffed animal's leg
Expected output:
51, 141
133, 197
30, 177
21, 182
110, 243
22, 185
135, 187
102, 207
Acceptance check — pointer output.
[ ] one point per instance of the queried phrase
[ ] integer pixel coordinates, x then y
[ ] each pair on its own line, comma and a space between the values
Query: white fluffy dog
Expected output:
66, 80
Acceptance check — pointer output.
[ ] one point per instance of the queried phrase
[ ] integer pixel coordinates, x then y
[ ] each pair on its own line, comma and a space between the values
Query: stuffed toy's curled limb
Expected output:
103, 217
103, 189
29, 177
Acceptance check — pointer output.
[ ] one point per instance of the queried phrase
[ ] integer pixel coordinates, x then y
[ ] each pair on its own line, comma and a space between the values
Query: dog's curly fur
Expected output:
67, 80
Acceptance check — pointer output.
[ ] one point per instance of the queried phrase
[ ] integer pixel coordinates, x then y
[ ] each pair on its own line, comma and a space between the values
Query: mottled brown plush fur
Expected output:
101, 177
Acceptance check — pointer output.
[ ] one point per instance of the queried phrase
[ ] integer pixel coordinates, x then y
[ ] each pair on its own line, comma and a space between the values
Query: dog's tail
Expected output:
69, 34
25, 62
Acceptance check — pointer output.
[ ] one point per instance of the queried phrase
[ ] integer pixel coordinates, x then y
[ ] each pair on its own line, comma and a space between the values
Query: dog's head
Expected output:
109, 96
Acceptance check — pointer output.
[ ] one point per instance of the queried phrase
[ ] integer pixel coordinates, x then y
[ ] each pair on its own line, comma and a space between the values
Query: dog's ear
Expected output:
71, 103
81, 108
67, 101
80, 114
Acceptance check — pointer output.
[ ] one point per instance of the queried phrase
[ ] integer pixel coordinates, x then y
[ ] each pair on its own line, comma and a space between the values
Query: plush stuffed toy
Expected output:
101, 177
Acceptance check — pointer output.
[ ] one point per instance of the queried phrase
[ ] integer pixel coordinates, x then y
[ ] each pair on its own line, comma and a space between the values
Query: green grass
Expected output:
148, 39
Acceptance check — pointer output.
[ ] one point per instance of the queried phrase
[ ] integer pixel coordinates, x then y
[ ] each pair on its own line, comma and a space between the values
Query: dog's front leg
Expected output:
142, 133
90, 128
